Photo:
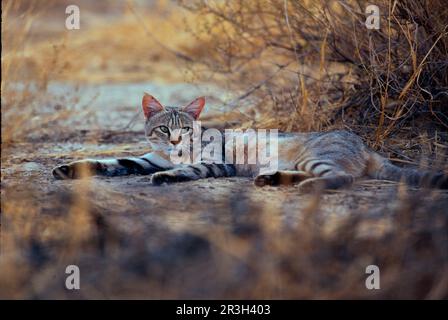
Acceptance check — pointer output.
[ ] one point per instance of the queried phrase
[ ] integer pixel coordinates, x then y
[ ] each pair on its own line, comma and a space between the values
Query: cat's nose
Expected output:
176, 142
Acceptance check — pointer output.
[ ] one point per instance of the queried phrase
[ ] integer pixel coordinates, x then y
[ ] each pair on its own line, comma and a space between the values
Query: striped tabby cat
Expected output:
316, 161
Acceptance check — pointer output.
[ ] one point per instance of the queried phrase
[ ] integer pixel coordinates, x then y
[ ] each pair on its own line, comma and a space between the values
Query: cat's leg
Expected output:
329, 181
281, 177
146, 164
193, 172
326, 174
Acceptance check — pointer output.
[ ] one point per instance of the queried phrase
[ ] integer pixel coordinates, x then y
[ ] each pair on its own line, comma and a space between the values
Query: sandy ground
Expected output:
178, 206
183, 206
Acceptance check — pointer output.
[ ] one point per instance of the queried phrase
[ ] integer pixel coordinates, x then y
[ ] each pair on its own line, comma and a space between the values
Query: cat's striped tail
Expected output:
382, 169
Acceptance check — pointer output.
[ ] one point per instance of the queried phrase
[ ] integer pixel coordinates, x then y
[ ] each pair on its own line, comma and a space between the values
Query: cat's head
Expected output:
167, 127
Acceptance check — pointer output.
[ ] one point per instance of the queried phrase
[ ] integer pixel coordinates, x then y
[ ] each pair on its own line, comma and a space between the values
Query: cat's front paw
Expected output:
159, 178
63, 172
76, 170
267, 179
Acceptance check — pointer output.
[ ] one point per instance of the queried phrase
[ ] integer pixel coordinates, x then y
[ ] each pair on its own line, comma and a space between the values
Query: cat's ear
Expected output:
195, 107
150, 105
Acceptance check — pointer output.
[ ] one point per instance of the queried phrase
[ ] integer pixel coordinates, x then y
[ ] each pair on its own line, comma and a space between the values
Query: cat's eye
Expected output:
164, 129
186, 129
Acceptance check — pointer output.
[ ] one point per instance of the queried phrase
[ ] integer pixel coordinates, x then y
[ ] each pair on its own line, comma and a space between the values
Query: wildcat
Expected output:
315, 161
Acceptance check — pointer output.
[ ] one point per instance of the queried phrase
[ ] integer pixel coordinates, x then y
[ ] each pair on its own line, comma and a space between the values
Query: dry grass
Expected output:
293, 65
314, 65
